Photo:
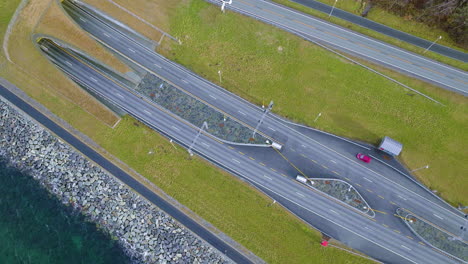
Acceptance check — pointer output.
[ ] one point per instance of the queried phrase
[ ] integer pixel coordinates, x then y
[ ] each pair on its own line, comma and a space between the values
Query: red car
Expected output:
363, 157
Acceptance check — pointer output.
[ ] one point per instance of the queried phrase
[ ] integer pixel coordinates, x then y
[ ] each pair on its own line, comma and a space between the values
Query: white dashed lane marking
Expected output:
438, 216
367, 179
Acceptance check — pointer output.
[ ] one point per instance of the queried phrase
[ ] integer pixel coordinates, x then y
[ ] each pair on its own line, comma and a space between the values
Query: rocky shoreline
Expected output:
145, 233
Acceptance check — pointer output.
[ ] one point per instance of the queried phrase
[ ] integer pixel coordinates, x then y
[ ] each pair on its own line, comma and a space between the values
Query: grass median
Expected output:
381, 16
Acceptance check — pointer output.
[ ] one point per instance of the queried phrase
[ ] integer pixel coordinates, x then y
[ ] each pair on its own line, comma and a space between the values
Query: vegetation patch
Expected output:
342, 191
196, 112
435, 236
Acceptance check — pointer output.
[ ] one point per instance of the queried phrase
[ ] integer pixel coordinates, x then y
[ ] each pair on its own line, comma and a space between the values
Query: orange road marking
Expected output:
367, 47
400, 59
436, 72
331, 34
307, 25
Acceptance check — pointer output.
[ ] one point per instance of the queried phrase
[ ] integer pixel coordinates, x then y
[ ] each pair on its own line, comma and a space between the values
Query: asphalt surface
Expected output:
174, 212
274, 177
391, 32
314, 29
359, 231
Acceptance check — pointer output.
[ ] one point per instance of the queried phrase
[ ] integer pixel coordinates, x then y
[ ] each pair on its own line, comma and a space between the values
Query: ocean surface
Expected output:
36, 228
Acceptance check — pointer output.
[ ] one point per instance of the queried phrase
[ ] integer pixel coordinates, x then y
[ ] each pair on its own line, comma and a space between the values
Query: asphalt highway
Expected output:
359, 227
346, 40
379, 180
364, 22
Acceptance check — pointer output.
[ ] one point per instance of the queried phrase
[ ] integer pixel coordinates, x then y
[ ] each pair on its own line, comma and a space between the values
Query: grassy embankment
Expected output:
305, 80
45, 17
241, 212
381, 16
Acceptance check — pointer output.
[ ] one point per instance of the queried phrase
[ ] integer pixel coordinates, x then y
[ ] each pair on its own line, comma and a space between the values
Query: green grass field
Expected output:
381, 16
7, 9
262, 63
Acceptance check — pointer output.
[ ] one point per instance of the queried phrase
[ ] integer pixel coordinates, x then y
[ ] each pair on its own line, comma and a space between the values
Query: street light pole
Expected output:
432, 44
270, 106
223, 5
319, 114
219, 73
205, 125
425, 167
333, 7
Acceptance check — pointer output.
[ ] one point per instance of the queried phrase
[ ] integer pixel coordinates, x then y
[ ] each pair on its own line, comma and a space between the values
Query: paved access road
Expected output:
361, 232
397, 194
391, 32
151, 196
346, 40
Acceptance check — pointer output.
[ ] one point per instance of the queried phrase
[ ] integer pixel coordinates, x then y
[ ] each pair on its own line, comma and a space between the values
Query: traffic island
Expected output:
196, 112
339, 190
434, 236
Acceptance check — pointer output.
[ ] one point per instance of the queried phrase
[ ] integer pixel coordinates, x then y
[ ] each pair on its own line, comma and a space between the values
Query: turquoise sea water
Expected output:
36, 228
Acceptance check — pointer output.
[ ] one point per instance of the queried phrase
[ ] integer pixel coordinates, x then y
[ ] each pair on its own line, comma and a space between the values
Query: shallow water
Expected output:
36, 228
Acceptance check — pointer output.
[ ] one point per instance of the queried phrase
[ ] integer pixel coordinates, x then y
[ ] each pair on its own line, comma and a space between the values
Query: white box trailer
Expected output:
390, 146
301, 179
276, 146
